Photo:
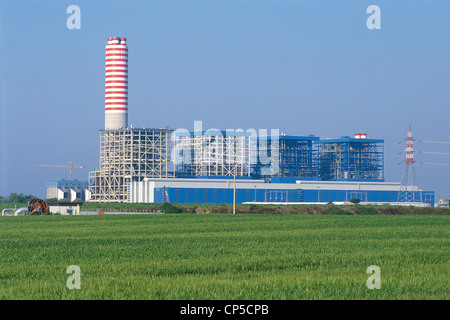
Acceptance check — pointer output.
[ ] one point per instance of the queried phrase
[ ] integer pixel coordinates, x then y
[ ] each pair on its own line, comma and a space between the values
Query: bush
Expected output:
170, 208
355, 200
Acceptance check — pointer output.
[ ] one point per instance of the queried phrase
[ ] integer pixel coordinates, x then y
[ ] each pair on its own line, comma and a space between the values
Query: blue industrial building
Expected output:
277, 169
249, 190
291, 158
286, 157
358, 158
216, 166
281, 158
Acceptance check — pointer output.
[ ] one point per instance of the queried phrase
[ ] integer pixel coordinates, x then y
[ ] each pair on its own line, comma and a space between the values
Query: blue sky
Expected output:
304, 67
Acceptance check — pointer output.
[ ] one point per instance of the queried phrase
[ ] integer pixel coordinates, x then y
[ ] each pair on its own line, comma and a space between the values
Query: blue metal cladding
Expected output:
290, 156
290, 179
225, 195
309, 157
351, 159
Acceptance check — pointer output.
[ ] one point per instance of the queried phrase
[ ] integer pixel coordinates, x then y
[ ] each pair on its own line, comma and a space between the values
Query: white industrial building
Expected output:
68, 190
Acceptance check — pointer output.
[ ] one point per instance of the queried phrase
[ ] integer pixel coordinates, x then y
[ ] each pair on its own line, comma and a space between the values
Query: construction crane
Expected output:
70, 165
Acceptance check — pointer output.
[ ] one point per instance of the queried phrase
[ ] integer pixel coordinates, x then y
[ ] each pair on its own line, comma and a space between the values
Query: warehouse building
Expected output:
249, 190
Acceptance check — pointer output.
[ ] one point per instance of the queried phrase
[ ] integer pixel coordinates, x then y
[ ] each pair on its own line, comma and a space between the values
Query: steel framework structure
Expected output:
129, 155
213, 153
409, 190
290, 156
351, 159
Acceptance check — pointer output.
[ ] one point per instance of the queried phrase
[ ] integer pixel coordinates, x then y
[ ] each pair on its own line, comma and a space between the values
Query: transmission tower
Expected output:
409, 187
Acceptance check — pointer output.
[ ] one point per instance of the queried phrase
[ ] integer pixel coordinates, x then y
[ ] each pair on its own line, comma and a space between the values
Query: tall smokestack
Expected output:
116, 84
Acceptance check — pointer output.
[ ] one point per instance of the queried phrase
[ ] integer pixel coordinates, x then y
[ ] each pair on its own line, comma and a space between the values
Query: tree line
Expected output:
16, 198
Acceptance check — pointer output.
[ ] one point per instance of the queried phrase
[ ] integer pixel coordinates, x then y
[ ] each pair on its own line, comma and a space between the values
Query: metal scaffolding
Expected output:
298, 157
129, 155
351, 159
287, 156
213, 153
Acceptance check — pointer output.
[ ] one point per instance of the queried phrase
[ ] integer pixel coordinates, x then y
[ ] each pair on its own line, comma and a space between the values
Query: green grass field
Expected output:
221, 256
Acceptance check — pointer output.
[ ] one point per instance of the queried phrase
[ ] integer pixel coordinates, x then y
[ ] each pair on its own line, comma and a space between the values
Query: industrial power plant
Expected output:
141, 165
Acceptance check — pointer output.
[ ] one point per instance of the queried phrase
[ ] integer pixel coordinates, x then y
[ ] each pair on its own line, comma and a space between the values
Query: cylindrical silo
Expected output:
116, 84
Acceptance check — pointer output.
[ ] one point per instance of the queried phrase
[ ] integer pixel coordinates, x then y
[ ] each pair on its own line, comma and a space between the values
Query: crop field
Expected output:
222, 256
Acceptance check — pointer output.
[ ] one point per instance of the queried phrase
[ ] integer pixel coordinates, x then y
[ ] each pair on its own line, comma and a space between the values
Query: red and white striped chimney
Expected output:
116, 84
